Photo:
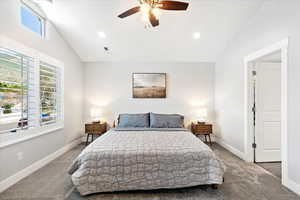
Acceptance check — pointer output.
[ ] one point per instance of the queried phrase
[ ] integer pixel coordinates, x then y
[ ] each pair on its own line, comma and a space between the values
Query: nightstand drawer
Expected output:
201, 128
95, 128
206, 129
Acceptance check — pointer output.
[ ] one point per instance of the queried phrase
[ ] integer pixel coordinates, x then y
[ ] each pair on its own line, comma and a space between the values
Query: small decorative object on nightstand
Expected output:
94, 129
202, 129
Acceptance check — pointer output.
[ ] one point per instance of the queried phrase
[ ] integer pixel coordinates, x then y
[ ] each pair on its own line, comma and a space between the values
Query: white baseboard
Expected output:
8, 182
292, 185
230, 148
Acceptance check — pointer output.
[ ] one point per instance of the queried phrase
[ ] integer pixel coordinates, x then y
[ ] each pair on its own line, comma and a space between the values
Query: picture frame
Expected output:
149, 85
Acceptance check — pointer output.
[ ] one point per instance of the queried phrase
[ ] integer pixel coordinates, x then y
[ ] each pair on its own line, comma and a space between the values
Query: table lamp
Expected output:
96, 115
201, 116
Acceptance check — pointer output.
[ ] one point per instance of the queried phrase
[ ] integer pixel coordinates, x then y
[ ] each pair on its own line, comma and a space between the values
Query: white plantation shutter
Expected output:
31, 92
59, 94
16, 83
50, 94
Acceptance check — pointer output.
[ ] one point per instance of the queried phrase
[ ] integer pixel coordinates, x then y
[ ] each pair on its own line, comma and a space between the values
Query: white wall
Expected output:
108, 86
275, 21
56, 47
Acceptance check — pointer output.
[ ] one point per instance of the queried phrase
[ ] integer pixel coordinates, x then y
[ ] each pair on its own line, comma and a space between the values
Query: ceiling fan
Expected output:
151, 9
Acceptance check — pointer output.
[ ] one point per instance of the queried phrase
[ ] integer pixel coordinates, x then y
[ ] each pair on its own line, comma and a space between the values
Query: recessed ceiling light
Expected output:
197, 35
101, 34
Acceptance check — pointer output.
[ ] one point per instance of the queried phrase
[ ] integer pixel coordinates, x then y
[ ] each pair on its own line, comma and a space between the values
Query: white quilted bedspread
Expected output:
145, 160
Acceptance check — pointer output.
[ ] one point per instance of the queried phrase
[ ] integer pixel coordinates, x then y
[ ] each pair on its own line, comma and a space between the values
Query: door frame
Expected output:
248, 101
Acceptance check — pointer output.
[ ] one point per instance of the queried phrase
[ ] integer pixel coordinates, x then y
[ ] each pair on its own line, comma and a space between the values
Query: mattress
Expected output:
142, 159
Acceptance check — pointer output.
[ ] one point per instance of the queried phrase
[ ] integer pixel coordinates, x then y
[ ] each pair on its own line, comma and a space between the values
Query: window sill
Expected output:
14, 138
9, 119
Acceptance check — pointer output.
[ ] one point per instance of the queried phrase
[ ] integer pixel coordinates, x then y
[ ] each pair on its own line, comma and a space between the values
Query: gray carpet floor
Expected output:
273, 167
243, 181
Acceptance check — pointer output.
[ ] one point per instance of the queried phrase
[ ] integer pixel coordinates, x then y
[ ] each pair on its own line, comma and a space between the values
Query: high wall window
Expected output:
32, 20
31, 91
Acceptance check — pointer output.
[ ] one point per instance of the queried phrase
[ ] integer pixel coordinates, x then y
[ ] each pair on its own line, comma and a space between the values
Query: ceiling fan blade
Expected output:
173, 5
154, 22
130, 12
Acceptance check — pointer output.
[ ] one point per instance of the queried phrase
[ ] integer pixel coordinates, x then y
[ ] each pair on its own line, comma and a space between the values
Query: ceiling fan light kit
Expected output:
151, 9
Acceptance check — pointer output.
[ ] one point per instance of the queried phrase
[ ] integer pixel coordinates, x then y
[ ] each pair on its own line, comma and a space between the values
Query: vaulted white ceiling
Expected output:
79, 21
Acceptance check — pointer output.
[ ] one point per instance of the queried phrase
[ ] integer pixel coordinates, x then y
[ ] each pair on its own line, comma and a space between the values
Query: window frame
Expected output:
52, 61
27, 72
35, 13
8, 139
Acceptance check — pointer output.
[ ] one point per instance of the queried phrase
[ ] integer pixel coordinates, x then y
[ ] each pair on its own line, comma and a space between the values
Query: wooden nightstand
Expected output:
94, 129
202, 129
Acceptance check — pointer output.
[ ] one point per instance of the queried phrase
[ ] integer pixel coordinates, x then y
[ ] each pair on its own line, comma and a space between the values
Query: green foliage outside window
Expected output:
6, 87
7, 108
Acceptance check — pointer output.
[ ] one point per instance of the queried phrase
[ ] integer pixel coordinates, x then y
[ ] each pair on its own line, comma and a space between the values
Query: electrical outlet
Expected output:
20, 155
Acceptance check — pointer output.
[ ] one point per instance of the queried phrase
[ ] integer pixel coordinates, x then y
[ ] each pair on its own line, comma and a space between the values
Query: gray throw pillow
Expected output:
134, 120
166, 121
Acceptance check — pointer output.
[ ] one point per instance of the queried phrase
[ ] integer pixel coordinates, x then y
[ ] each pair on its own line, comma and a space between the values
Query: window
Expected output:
32, 20
31, 92
14, 75
49, 93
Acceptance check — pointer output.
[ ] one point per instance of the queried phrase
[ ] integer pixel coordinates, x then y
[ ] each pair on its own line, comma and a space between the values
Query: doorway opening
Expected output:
266, 108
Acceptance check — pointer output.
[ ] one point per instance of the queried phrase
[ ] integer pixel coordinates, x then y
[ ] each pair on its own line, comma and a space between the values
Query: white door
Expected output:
268, 112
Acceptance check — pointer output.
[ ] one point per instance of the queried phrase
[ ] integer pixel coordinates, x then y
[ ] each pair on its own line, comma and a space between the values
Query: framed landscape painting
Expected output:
149, 85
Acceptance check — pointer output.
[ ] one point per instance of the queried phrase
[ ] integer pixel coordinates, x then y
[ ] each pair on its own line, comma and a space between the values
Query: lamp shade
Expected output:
96, 114
201, 115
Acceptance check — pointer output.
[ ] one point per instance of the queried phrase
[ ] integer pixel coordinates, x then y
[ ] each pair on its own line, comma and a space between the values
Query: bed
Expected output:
126, 159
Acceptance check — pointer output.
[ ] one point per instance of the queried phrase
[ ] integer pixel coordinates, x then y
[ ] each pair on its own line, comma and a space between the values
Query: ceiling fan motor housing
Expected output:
151, 3
150, 9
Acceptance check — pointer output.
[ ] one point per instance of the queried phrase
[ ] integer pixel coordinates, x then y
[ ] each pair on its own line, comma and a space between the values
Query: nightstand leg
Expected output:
87, 139
209, 140
92, 137
205, 138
